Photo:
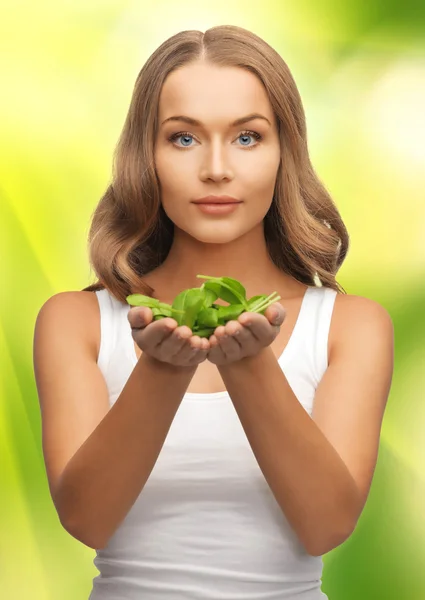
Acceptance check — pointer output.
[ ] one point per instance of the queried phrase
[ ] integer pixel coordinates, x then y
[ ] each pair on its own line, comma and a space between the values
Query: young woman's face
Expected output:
215, 157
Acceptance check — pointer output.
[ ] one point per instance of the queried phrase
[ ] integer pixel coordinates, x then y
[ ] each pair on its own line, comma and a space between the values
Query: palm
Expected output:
246, 336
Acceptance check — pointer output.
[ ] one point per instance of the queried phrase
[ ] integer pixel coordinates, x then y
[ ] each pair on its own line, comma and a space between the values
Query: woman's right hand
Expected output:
165, 340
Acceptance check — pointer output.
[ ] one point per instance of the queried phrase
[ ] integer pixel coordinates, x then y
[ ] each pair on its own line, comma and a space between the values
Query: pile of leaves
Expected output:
196, 308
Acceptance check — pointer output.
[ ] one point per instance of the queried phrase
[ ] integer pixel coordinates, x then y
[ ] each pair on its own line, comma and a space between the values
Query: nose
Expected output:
215, 163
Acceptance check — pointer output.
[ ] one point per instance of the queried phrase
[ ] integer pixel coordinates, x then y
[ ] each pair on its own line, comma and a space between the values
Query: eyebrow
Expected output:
197, 123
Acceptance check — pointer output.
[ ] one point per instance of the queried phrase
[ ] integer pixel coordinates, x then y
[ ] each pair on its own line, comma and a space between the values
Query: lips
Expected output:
217, 200
220, 208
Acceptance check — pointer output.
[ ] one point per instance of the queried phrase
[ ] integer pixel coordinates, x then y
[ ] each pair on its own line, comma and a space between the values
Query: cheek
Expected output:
169, 172
261, 165
260, 180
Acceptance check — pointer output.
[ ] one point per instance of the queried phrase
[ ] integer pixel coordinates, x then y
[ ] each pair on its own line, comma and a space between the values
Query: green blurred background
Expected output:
67, 75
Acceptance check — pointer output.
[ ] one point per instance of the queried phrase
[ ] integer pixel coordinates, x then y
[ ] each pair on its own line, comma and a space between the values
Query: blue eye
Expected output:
188, 137
183, 135
247, 134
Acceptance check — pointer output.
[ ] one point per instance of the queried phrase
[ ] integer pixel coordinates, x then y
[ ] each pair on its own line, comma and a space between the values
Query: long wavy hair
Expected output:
130, 233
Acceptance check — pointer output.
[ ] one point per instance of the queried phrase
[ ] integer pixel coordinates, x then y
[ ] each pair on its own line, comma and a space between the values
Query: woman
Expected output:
222, 467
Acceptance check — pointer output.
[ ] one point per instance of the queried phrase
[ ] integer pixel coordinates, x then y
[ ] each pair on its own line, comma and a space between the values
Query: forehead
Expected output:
207, 92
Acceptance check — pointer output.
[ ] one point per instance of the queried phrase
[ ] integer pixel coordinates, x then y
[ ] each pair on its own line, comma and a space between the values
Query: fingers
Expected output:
165, 340
236, 340
149, 335
230, 347
190, 349
185, 349
260, 326
176, 343
202, 350
275, 314
139, 317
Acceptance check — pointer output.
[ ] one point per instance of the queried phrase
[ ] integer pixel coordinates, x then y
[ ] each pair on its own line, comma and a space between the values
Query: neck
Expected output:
245, 259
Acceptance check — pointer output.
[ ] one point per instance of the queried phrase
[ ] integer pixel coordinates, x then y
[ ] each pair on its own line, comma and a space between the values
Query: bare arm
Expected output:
320, 469
104, 478
98, 458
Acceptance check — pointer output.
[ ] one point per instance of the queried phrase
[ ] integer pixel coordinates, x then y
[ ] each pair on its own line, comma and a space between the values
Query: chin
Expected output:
217, 235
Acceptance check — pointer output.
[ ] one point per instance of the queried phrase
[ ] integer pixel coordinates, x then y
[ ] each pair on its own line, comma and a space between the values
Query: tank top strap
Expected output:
323, 327
315, 327
108, 327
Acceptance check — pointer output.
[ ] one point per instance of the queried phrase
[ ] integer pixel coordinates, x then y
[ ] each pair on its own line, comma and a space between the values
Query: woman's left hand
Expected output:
245, 337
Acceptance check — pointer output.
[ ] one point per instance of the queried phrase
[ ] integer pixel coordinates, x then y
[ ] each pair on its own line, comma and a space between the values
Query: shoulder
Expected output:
73, 301
359, 307
359, 320
78, 309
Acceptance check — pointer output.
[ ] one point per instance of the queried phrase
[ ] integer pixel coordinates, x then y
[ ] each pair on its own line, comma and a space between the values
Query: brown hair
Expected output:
130, 233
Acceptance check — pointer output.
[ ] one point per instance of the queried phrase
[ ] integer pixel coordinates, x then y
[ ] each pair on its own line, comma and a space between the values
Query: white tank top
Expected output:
206, 525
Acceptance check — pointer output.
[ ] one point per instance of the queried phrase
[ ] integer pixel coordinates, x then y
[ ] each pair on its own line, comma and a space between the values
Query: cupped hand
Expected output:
245, 337
165, 340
